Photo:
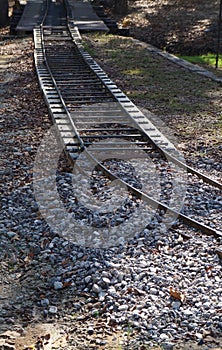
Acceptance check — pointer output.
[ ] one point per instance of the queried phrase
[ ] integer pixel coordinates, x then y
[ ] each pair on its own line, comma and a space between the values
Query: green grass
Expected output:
207, 59
153, 83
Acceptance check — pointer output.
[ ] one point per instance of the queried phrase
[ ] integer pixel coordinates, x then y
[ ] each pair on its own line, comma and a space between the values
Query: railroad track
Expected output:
97, 122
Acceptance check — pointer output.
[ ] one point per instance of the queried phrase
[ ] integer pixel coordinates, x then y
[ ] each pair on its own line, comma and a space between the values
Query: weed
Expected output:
207, 60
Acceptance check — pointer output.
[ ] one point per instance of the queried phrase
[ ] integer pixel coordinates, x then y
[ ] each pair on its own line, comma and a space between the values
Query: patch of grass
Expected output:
150, 75
133, 71
207, 59
169, 91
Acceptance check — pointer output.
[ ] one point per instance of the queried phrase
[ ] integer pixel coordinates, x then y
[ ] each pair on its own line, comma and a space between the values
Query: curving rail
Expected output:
95, 117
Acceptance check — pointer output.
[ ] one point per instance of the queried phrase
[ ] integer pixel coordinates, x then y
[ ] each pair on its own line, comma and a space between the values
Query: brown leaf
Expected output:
67, 284
209, 268
176, 294
31, 255
134, 290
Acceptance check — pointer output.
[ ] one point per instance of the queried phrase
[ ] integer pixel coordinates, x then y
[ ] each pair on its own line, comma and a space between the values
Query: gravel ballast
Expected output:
162, 288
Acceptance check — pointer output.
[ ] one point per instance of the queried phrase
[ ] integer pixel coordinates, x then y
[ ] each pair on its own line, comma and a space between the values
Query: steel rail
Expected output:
139, 124
126, 105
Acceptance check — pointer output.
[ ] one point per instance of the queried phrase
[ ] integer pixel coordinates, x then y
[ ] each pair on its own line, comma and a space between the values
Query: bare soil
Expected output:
178, 26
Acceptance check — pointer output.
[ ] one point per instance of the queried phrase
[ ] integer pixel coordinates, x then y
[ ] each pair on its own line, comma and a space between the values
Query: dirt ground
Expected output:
178, 26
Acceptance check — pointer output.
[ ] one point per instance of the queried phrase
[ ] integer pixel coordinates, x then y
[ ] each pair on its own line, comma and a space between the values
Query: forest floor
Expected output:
177, 26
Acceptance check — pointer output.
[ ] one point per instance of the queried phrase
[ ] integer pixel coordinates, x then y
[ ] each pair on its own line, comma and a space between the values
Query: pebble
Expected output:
90, 330
96, 288
153, 291
53, 310
44, 302
11, 234
58, 285
167, 346
106, 280
176, 305
163, 337
123, 307
88, 279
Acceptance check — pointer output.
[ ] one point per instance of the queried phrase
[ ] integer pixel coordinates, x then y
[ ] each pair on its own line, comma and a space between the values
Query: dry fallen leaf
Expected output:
176, 294
67, 284
209, 268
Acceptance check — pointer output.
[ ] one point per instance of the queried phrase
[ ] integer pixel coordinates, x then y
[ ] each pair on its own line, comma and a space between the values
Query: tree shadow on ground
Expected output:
179, 26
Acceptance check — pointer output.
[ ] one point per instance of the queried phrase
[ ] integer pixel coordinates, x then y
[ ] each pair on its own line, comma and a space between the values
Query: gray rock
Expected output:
45, 302
163, 337
96, 288
176, 305
153, 291
11, 234
123, 307
58, 285
106, 280
88, 279
53, 309
167, 346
